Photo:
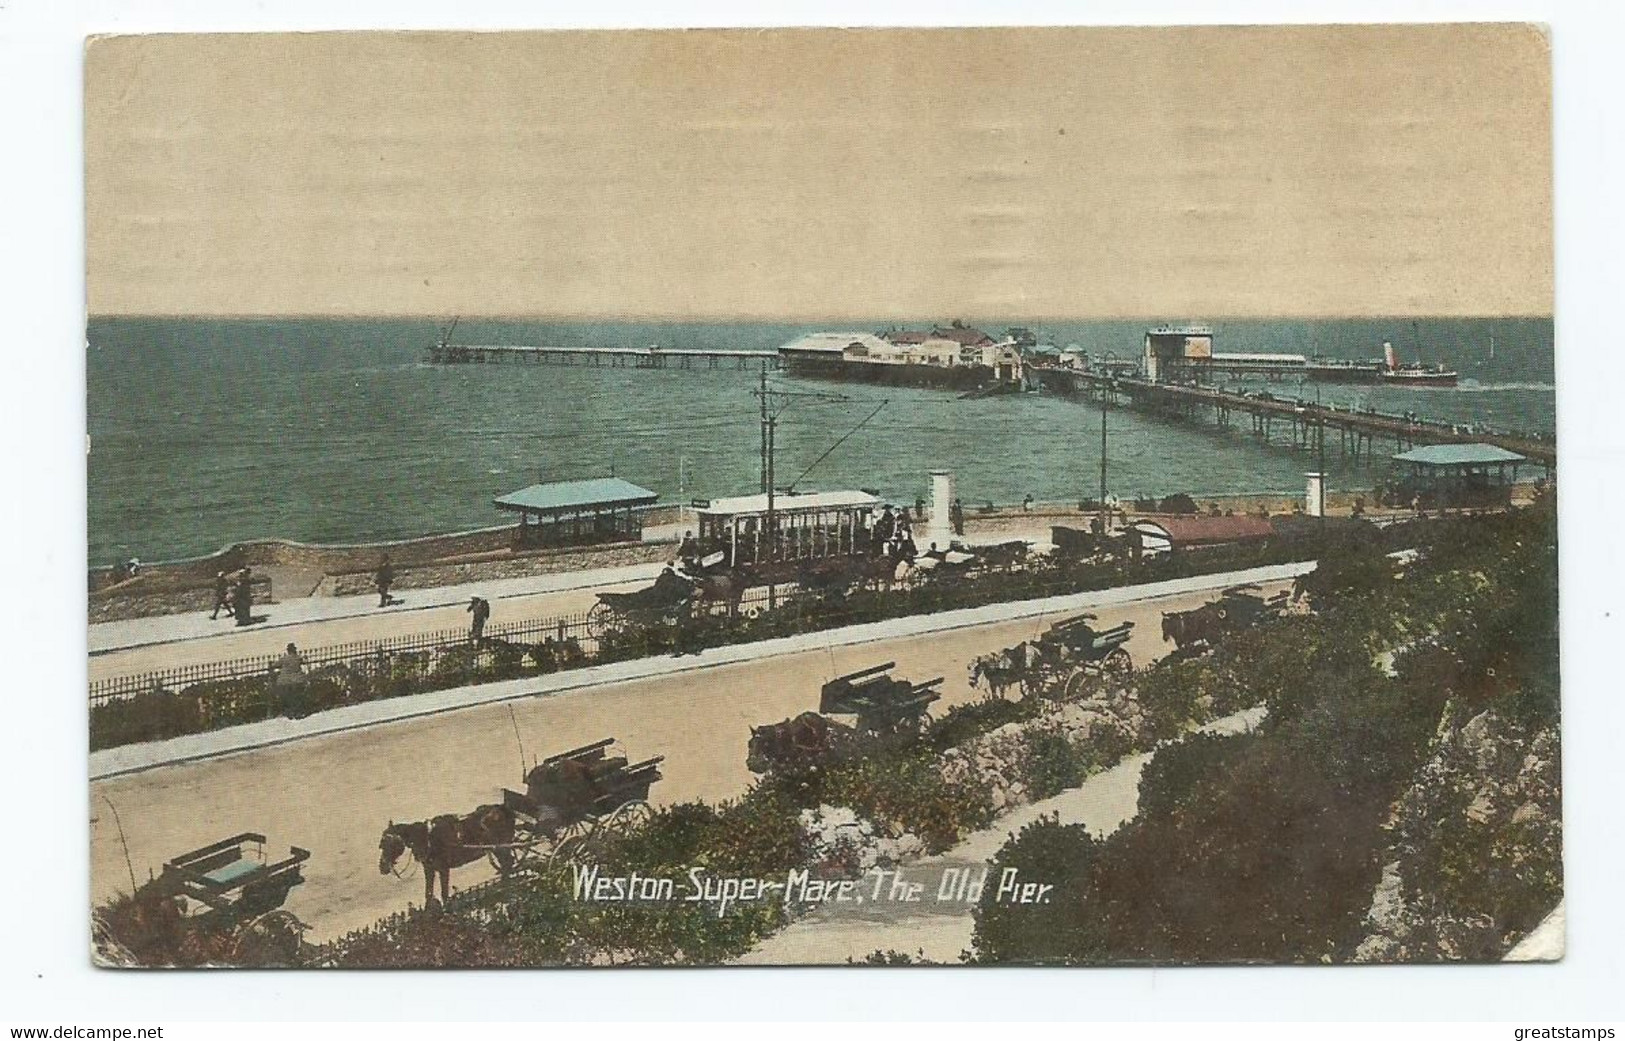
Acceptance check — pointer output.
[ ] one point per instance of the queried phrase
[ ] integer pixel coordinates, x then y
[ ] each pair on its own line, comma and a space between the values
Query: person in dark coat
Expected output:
222, 594
956, 517
384, 578
481, 609
242, 597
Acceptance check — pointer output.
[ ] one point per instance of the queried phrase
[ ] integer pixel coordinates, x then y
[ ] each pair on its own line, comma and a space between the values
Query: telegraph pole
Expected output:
762, 393
770, 413
1105, 517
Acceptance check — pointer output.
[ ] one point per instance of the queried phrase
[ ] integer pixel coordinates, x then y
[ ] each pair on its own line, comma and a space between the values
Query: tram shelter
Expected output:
1470, 476
579, 513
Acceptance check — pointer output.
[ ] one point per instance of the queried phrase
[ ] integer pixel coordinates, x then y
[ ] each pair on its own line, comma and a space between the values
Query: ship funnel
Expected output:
1389, 356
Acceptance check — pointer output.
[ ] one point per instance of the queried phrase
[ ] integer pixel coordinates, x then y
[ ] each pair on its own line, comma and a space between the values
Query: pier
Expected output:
603, 357
1358, 432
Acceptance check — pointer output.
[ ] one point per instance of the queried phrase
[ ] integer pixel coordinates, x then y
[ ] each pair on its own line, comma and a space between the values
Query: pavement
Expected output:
138, 632
127, 759
330, 783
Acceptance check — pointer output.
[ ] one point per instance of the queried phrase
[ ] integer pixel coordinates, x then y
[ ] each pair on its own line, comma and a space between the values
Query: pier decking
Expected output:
1358, 431
604, 357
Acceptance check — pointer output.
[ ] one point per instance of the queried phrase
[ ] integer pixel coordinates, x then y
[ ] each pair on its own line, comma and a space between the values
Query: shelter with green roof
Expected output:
576, 513
1453, 476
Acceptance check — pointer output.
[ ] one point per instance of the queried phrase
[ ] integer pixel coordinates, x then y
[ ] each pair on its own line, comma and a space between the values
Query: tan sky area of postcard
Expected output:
824, 174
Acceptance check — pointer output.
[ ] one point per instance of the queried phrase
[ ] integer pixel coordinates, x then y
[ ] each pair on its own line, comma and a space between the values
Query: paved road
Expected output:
333, 794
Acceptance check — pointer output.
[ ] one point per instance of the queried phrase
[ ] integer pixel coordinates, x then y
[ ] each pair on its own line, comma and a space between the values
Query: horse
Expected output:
442, 843
826, 578
1001, 670
1199, 626
727, 589
882, 570
793, 744
1006, 556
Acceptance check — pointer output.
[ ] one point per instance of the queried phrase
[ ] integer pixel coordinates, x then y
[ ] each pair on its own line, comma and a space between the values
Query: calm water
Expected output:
209, 432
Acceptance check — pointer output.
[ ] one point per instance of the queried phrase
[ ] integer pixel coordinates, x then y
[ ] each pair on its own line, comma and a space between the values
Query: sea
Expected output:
204, 432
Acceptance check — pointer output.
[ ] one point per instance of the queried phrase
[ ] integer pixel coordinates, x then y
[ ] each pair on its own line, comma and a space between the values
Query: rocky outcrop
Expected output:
1100, 728
841, 844
1475, 860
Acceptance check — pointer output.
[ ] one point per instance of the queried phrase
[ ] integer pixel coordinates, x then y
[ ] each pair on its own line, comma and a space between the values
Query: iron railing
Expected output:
362, 653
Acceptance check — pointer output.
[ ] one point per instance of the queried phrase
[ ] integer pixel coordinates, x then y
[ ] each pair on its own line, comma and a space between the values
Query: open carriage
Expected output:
1071, 654
1237, 608
885, 707
573, 801
883, 704
233, 886
667, 601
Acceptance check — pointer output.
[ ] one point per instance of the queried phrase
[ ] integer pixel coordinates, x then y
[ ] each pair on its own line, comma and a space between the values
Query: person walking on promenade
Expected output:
383, 579
481, 608
287, 692
242, 597
956, 517
222, 594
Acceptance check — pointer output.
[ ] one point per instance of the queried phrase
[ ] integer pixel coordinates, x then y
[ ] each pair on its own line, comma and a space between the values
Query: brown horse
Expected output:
726, 588
794, 744
448, 841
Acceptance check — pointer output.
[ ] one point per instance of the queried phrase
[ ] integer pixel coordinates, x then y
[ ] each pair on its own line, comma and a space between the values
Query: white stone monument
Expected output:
1314, 497
940, 530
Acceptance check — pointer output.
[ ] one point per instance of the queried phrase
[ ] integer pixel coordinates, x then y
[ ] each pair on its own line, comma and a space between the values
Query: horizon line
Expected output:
789, 319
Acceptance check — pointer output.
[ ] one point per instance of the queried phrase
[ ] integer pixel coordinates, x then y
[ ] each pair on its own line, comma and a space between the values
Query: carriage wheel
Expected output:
600, 620
1118, 666
629, 817
274, 938
568, 850
1077, 685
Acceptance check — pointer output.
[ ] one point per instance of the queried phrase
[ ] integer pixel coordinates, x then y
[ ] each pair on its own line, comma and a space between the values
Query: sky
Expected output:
813, 174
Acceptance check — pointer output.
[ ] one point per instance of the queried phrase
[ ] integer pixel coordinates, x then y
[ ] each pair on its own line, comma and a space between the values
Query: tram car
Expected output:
737, 533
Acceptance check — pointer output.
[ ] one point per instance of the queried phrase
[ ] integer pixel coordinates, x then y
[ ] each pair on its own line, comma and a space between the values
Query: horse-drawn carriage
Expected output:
884, 704
886, 708
574, 800
1063, 662
669, 600
572, 803
1080, 544
233, 887
1237, 608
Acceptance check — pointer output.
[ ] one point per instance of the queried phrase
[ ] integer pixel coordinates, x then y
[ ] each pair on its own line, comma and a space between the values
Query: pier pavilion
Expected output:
575, 513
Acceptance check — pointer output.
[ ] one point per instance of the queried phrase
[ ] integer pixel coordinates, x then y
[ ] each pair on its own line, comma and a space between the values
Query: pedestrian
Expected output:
222, 594
919, 507
288, 690
242, 597
956, 517
383, 579
481, 609
1027, 504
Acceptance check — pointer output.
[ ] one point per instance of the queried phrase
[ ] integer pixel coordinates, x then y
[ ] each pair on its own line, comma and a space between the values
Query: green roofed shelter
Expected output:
572, 513
1443, 477
1459, 455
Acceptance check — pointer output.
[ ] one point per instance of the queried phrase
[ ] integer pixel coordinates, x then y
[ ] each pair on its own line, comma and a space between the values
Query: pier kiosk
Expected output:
578, 513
